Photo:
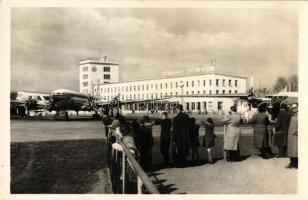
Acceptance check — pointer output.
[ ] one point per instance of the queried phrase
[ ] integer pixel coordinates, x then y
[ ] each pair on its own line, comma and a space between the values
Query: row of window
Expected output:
105, 69
158, 95
160, 86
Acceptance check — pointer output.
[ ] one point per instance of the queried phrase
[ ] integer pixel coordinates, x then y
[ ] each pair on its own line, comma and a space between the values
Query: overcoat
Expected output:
281, 134
260, 121
180, 135
233, 131
209, 137
292, 137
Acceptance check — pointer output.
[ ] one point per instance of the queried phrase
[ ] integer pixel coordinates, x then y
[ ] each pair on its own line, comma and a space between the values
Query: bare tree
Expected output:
293, 83
280, 84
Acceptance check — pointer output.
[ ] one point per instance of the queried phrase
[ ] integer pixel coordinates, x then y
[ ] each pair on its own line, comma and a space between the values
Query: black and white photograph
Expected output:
151, 99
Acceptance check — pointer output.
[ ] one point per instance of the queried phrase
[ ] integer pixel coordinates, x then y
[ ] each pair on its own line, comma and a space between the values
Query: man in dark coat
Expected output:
146, 142
165, 137
180, 137
281, 135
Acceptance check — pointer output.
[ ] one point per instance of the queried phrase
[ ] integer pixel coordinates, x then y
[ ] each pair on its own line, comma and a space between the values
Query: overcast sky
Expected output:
47, 43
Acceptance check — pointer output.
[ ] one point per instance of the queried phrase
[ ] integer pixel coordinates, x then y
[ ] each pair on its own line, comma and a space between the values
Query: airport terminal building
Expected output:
197, 92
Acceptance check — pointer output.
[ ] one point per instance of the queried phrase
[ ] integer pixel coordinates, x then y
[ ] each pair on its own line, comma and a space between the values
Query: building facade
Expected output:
96, 71
198, 92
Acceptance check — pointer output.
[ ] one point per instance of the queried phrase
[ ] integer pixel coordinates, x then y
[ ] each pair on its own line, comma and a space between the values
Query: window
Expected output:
203, 91
130, 88
161, 95
187, 93
170, 93
85, 84
229, 83
166, 85
224, 82
176, 84
85, 69
151, 86
126, 89
217, 91
192, 92
198, 92
235, 84
192, 84
217, 82
134, 88
147, 87
198, 83
171, 85
142, 87
193, 106
85, 76
156, 86
203, 82
106, 69
235, 91
210, 92
229, 91
138, 87
186, 83
106, 76
223, 91
161, 86
210, 82
176, 93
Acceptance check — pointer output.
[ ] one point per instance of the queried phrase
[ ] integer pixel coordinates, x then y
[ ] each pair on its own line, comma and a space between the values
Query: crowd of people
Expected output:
180, 136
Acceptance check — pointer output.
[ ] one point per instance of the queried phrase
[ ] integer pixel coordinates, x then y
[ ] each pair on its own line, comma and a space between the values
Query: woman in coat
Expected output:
232, 135
292, 138
261, 139
209, 138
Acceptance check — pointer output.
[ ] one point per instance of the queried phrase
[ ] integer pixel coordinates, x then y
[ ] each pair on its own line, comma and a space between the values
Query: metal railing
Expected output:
127, 176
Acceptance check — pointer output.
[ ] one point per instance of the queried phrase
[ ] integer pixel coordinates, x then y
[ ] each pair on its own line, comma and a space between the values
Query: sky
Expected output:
48, 43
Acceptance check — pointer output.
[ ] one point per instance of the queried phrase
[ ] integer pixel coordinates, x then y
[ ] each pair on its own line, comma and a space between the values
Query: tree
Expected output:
293, 83
280, 84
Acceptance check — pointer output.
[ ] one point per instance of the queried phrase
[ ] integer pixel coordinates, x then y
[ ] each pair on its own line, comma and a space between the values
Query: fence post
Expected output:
123, 172
225, 153
139, 185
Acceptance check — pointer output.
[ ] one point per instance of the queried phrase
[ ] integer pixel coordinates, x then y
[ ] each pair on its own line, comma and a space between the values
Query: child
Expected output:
209, 138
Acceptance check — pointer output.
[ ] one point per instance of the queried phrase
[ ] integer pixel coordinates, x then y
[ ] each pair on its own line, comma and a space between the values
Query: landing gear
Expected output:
61, 114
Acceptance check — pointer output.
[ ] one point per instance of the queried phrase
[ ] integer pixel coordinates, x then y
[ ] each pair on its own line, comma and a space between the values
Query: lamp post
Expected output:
182, 93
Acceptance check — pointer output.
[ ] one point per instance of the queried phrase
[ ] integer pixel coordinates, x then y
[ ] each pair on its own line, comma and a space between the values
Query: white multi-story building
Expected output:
197, 92
94, 71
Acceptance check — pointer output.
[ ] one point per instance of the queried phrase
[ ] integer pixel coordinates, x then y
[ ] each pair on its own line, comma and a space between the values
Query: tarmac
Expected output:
252, 175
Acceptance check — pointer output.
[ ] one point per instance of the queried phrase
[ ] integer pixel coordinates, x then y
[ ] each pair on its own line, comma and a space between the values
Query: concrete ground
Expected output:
29, 149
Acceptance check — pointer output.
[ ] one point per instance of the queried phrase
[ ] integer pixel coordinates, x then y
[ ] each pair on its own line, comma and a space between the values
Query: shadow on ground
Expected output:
61, 167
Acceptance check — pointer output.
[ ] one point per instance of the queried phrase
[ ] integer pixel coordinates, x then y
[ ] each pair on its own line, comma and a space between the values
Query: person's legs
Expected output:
296, 162
262, 152
209, 154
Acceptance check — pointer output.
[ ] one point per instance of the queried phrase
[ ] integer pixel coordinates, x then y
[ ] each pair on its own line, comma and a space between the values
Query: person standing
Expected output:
180, 137
281, 133
146, 142
209, 138
165, 137
232, 135
261, 139
194, 140
292, 138
107, 121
